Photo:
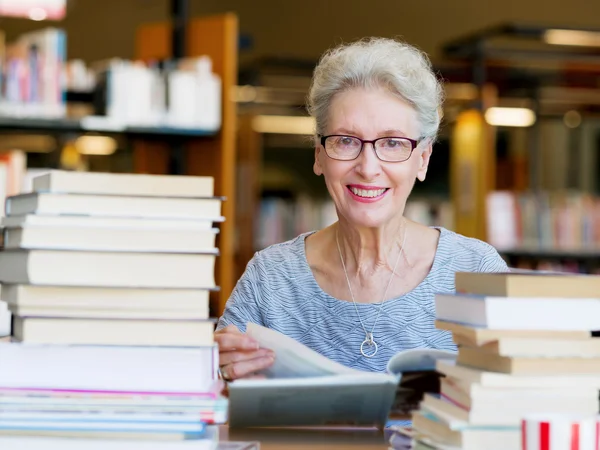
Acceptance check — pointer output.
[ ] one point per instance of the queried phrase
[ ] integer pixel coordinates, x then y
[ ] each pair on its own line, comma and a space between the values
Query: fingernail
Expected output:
253, 345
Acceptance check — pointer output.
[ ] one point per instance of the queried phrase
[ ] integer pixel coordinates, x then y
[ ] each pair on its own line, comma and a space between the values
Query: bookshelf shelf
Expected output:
169, 131
40, 125
537, 252
79, 126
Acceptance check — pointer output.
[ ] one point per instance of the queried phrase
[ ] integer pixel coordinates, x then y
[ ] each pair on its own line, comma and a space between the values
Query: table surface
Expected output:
268, 439
309, 438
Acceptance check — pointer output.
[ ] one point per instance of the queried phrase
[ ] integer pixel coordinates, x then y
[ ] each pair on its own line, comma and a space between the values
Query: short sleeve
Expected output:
243, 305
491, 261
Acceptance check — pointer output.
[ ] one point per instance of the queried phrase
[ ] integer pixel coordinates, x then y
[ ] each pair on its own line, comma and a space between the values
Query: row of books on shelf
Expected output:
527, 368
281, 219
32, 77
555, 264
544, 221
35, 75
107, 278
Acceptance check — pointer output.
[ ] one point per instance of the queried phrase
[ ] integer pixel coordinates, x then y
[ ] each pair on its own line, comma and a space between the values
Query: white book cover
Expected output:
128, 184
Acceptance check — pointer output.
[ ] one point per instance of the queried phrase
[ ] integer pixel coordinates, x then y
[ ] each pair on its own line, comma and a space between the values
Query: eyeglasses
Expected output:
388, 149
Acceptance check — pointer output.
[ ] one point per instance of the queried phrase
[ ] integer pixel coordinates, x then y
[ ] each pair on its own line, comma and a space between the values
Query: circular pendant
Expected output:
369, 343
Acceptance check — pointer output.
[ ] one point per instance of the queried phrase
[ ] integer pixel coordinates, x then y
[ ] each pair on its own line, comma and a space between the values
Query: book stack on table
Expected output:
525, 346
108, 278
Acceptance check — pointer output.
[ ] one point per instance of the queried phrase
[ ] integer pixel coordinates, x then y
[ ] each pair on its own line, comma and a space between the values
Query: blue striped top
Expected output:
278, 291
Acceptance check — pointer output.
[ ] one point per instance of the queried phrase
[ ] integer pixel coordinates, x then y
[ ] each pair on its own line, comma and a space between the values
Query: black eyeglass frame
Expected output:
413, 143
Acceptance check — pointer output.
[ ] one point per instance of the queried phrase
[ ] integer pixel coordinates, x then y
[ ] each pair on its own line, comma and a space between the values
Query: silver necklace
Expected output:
369, 340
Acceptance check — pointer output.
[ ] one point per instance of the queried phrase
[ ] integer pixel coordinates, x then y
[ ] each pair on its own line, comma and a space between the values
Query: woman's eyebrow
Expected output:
393, 133
347, 131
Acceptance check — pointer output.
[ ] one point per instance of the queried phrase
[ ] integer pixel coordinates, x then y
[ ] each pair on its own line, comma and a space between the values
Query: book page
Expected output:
293, 359
418, 360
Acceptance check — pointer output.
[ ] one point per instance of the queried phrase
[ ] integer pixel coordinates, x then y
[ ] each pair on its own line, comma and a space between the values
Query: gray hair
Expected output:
378, 62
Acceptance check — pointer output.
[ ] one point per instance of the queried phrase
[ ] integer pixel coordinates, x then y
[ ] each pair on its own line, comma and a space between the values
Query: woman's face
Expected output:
367, 191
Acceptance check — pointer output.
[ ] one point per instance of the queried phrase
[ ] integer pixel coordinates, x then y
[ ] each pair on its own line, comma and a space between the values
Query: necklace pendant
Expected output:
368, 348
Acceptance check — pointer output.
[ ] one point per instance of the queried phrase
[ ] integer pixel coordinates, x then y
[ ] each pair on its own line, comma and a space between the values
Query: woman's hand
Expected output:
240, 355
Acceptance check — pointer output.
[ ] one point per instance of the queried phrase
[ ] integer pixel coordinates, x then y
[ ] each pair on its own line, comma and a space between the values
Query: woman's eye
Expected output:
394, 144
346, 141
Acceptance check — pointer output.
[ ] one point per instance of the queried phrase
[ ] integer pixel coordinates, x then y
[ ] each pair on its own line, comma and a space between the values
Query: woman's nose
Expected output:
368, 164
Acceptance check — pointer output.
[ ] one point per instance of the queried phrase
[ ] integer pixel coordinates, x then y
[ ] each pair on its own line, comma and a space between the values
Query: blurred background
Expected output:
218, 88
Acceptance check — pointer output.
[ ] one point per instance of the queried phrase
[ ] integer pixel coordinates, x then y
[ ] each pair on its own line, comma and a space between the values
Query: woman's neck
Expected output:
368, 250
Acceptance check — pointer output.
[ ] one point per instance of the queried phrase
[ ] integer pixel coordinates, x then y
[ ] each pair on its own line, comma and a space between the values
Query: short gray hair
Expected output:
378, 62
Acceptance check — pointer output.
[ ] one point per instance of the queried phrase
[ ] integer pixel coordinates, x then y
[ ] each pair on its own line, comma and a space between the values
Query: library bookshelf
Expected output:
176, 150
217, 37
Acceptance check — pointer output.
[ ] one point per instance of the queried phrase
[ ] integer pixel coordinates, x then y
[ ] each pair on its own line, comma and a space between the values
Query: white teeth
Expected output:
368, 193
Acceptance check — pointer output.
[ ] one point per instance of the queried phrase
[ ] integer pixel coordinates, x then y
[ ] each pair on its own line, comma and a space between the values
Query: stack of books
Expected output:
525, 346
108, 278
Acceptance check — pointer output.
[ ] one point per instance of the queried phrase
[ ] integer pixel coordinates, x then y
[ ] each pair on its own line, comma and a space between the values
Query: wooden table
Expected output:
309, 438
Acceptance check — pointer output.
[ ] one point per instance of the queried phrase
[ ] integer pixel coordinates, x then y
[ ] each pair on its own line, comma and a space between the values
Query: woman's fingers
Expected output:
240, 355
229, 329
237, 356
242, 369
235, 341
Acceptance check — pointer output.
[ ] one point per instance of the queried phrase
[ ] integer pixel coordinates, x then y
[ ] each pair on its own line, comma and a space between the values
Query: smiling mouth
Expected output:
367, 193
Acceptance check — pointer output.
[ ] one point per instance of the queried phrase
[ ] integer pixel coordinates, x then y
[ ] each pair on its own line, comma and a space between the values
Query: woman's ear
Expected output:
424, 161
317, 169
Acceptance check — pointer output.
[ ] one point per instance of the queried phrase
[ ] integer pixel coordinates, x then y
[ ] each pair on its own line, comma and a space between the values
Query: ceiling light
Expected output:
38, 14
284, 124
572, 37
95, 145
510, 117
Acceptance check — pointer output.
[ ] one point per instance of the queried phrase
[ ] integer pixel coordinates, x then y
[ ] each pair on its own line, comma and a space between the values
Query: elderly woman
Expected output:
362, 289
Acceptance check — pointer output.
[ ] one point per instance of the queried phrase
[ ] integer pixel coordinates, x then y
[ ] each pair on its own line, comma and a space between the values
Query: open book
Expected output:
303, 387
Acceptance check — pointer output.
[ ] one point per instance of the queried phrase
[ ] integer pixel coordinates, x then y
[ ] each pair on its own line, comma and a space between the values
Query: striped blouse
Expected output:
278, 291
